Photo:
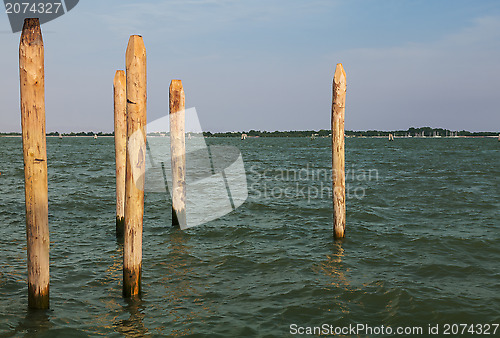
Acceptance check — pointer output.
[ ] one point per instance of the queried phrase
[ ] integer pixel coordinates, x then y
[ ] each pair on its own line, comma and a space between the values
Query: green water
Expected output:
422, 246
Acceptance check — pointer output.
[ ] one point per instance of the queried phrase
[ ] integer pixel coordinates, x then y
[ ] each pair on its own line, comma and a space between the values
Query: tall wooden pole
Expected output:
338, 151
178, 153
120, 104
136, 160
32, 76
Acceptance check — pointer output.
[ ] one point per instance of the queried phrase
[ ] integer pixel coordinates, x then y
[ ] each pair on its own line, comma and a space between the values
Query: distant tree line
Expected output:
56, 133
422, 131
258, 133
81, 133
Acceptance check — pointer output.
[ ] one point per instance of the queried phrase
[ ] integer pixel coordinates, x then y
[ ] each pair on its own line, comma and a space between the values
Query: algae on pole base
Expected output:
178, 151
135, 60
338, 151
32, 78
120, 108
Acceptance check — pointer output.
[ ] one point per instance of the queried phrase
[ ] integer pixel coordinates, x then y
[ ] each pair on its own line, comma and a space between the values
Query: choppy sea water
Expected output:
422, 246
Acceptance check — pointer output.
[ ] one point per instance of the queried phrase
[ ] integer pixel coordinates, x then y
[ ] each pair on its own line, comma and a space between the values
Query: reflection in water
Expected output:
334, 268
335, 271
184, 303
35, 323
134, 325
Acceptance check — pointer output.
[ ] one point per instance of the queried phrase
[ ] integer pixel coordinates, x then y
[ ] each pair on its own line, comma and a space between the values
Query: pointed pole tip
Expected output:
136, 42
176, 84
339, 76
135, 48
30, 23
136, 38
120, 77
31, 33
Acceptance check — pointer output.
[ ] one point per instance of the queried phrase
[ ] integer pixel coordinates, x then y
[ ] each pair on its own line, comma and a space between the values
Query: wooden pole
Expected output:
178, 153
136, 161
338, 151
32, 77
120, 105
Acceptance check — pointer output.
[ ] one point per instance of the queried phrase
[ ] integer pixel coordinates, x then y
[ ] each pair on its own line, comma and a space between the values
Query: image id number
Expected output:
35, 8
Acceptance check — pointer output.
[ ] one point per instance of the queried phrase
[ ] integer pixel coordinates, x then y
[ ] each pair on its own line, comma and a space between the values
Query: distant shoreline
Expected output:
52, 136
254, 137
422, 132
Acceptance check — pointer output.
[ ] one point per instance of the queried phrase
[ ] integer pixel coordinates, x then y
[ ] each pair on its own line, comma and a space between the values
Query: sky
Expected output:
269, 65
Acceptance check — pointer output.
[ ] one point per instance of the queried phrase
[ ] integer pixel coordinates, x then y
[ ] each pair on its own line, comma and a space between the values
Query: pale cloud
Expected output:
182, 17
262, 65
450, 82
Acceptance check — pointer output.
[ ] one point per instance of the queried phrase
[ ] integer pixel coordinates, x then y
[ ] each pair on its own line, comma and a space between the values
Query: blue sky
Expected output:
268, 65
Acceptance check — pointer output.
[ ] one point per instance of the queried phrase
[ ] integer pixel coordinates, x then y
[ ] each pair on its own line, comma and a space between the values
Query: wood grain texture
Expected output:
338, 151
120, 110
32, 78
135, 60
178, 151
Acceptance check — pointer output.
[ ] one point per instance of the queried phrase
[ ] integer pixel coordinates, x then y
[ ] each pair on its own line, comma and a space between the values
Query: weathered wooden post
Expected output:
136, 161
120, 105
178, 153
338, 151
32, 77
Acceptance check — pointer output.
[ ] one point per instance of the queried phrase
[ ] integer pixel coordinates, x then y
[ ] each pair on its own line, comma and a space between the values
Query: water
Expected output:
421, 248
